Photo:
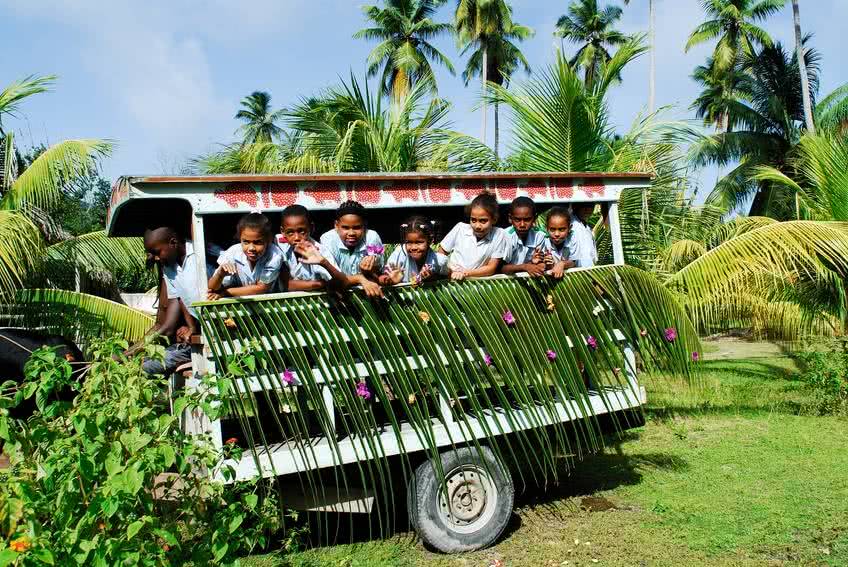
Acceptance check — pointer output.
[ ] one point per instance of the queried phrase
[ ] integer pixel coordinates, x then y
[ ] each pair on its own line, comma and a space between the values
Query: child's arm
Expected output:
217, 279
490, 268
254, 289
534, 269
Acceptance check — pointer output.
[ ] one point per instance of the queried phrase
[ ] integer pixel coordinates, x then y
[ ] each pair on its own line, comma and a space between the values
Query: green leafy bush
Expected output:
110, 479
826, 369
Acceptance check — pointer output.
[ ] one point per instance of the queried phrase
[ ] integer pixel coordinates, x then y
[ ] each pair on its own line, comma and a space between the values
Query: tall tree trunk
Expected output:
496, 130
653, 73
802, 66
485, 78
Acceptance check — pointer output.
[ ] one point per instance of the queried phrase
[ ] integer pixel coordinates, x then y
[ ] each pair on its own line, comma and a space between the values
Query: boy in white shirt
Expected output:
305, 266
357, 251
476, 248
525, 241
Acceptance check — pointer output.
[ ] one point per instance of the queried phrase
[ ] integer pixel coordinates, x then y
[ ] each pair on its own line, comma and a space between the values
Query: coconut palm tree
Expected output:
805, 85
495, 47
652, 77
34, 254
764, 123
717, 95
404, 29
592, 27
260, 121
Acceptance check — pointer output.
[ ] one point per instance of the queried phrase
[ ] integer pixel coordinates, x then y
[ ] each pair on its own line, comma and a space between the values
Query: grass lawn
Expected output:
734, 473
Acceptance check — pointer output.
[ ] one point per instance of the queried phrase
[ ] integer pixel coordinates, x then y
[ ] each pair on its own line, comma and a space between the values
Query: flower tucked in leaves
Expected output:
286, 408
288, 376
549, 299
644, 332
592, 342
671, 334
487, 358
231, 441
508, 317
424, 316
616, 371
362, 390
375, 249
20, 545
696, 356
551, 354
411, 399
229, 323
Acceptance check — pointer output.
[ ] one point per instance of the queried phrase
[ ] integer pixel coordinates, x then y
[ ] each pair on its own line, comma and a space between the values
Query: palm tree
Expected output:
33, 254
587, 25
763, 121
495, 48
805, 85
652, 77
718, 95
732, 23
260, 122
349, 128
404, 29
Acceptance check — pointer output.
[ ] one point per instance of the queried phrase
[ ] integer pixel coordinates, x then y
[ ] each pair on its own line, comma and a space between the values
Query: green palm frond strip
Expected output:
77, 316
442, 354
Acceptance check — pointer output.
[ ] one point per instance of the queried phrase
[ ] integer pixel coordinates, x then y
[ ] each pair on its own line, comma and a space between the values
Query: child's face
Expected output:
296, 230
522, 220
558, 229
253, 244
481, 222
162, 251
351, 229
584, 210
417, 246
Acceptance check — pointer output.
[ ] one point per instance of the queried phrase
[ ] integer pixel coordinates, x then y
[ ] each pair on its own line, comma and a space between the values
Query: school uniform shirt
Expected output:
266, 270
181, 279
304, 272
521, 252
581, 244
346, 259
468, 253
559, 253
401, 260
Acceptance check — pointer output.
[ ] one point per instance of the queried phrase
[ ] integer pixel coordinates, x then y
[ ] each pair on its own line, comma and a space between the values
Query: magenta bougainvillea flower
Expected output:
508, 317
592, 342
551, 354
362, 391
375, 249
696, 356
487, 358
671, 334
288, 376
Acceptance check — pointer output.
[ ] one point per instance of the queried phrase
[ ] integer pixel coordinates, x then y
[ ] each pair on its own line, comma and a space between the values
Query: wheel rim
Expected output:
468, 499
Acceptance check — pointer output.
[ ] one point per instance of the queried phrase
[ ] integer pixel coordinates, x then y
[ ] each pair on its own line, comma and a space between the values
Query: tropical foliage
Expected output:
34, 250
260, 121
591, 27
404, 29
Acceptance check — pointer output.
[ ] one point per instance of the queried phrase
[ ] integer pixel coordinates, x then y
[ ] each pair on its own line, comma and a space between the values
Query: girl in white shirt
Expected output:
250, 267
413, 260
477, 247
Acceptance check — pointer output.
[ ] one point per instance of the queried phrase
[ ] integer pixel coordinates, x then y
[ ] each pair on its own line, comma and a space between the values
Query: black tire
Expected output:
479, 509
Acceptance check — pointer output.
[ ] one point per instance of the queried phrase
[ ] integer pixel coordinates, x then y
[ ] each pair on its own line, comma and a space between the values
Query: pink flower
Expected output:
375, 249
671, 334
362, 391
487, 358
551, 355
695, 356
288, 376
508, 317
592, 342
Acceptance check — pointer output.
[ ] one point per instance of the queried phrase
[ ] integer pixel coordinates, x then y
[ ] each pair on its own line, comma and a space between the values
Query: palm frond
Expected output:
21, 246
76, 316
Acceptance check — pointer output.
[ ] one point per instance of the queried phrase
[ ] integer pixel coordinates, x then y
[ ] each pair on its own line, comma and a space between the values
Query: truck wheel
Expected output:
470, 510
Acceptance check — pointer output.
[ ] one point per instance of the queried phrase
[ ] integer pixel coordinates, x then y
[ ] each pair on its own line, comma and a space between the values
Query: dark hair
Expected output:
296, 211
522, 201
256, 221
163, 233
351, 208
417, 223
558, 212
485, 201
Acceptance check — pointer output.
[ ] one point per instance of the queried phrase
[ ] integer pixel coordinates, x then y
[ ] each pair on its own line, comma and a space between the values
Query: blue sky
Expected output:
164, 78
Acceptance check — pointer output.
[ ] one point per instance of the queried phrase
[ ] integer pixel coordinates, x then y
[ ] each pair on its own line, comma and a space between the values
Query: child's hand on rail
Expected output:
371, 289
308, 253
228, 268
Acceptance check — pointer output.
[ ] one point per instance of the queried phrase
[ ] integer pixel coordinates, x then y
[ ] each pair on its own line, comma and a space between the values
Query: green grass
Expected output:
735, 472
